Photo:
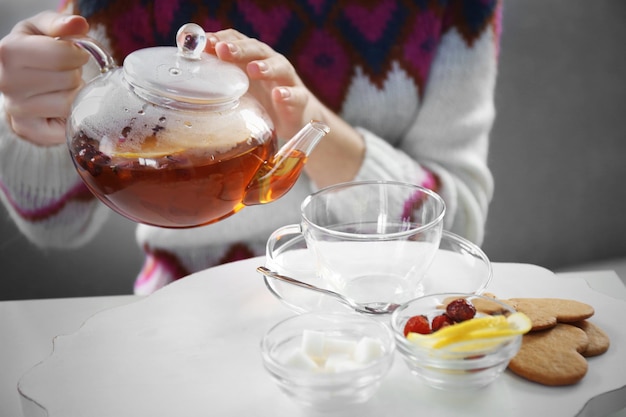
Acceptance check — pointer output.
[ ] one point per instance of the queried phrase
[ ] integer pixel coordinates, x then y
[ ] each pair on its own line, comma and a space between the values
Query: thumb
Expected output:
54, 24
69, 25
291, 105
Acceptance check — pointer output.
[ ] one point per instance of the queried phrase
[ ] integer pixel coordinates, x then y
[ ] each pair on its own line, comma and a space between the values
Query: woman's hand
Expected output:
274, 81
290, 104
40, 76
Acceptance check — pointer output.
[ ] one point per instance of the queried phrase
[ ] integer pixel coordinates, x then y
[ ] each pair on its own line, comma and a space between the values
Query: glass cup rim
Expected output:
438, 220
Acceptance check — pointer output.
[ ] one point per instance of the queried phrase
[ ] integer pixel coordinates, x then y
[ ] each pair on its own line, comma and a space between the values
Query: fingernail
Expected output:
284, 92
67, 19
212, 40
232, 48
262, 66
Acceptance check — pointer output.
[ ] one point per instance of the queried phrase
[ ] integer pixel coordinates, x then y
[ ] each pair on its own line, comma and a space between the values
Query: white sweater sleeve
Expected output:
450, 135
43, 194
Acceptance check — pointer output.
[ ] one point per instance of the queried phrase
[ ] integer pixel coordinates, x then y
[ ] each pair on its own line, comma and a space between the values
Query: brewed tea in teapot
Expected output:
172, 138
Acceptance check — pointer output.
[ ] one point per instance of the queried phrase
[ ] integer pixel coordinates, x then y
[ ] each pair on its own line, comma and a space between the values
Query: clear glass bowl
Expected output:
468, 366
321, 389
459, 266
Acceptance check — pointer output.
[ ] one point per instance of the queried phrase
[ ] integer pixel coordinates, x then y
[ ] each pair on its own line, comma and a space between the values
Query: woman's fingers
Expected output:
294, 107
243, 51
276, 68
232, 46
40, 75
47, 53
44, 132
223, 36
290, 97
259, 60
32, 43
274, 81
32, 82
52, 24
47, 105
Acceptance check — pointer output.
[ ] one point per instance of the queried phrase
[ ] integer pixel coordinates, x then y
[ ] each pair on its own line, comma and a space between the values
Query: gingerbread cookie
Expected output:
490, 307
483, 305
547, 312
553, 356
554, 352
599, 341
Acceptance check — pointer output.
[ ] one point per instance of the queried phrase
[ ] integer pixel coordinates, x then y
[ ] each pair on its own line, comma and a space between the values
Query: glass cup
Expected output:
372, 241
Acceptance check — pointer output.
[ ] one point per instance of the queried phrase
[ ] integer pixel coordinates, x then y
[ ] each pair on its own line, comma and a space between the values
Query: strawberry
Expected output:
460, 310
417, 324
440, 321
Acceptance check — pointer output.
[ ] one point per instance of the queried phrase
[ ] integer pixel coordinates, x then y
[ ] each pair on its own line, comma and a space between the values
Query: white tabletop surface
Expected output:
28, 327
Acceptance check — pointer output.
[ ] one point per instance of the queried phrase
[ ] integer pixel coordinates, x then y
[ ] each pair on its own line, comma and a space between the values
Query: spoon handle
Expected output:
383, 308
278, 276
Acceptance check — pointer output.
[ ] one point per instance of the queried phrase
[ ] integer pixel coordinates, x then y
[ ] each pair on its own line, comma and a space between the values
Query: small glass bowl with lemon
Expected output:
457, 352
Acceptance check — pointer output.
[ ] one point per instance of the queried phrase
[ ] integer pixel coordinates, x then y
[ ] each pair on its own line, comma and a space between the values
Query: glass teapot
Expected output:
172, 138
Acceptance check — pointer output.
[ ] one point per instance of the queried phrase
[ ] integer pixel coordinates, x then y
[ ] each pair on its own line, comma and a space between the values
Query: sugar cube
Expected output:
367, 349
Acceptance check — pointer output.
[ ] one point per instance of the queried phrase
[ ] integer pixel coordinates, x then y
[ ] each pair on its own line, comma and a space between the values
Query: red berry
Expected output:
417, 324
440, 321
460, 310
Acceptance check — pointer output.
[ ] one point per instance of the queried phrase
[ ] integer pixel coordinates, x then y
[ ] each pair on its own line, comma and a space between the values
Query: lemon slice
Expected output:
147, 154
477, 346
465, 330
521, 321
517, 323
456, 332
481, 329
489, 338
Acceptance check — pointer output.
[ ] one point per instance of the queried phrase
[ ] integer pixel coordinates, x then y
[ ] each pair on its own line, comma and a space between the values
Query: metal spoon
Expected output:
373, 308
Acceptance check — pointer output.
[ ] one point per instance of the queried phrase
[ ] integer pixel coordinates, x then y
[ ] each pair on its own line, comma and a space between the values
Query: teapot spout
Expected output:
305, 140
278, 175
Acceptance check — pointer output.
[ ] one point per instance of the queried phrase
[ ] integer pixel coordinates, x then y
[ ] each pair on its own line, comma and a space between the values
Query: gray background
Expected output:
557, 153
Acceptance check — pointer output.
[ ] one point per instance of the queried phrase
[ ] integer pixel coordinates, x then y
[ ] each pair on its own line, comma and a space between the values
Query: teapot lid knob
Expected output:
186, 74
191, 41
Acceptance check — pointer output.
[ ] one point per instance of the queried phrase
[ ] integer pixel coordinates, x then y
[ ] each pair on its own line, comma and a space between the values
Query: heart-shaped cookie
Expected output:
547, 312
599, 341
484, 305
552, 356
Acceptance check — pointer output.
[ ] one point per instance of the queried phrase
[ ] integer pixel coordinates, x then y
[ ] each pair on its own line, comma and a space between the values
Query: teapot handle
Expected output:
104, 60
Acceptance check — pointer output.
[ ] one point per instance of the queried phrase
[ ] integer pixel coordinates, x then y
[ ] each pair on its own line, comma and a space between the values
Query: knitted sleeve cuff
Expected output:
32, 174
42, 192
383, 161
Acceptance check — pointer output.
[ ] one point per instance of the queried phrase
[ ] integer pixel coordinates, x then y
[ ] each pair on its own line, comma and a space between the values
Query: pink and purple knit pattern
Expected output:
46, 209
162, 267
324, 39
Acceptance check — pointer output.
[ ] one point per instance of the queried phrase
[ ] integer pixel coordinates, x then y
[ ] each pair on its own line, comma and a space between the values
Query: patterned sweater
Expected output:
415, 77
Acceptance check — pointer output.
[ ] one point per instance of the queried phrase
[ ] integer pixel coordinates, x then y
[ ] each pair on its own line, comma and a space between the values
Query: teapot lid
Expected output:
186, 73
